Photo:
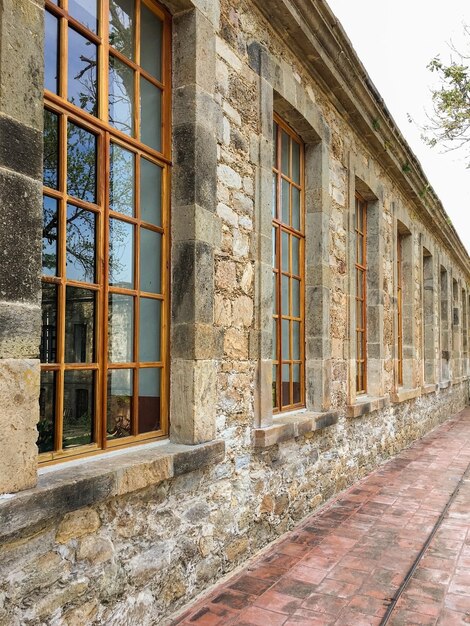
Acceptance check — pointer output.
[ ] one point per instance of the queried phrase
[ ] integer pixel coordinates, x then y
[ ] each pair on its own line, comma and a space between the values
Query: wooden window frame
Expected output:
361, 302
281, 227
400, 309
100, 126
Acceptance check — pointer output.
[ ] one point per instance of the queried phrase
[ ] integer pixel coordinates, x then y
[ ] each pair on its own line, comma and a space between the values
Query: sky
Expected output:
395, 41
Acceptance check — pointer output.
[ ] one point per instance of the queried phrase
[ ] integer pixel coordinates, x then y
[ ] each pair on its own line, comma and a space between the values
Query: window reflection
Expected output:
121, 96
149, 400
49, 324
78, 408
51, 149
121, 26
80, 244
51, 46
46, 412
82, 81
119, 404
79, 325
121, 180
120, 328
121, 254
49, 236
85, 11
81, 163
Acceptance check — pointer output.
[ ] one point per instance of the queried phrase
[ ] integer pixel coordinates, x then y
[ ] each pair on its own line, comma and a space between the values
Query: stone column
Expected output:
195, 228
21, 118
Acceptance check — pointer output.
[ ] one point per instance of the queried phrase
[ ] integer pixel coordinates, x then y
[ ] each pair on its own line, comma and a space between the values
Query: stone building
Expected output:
235, 155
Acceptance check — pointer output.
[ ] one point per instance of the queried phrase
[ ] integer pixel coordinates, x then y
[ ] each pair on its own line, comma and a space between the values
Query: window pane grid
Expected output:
400, 309
288, 242
361, 300
71, 395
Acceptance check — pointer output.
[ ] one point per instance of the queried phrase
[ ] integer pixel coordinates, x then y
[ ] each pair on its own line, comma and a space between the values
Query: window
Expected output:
444, 334
400, 307
288, 269
428, 317
361, 295
105, 231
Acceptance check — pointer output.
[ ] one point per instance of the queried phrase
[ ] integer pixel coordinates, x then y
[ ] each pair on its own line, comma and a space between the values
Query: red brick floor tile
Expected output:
308, 574
232, 600
324, 604
255, 616
353, 618
452, 618
432, 575
278, 602
367, 605
251, 585
409, 618
421, 605
303, 617
266, 572
291, 586
210, 616
338, 588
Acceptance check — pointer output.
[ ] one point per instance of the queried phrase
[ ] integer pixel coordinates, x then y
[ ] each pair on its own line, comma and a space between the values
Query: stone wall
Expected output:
126, 540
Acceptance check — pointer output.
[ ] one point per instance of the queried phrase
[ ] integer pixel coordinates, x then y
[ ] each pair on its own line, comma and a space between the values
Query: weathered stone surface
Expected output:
95, 550
78, 524
19, 386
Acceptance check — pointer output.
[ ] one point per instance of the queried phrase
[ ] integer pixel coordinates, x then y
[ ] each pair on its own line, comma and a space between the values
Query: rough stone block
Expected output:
19, 391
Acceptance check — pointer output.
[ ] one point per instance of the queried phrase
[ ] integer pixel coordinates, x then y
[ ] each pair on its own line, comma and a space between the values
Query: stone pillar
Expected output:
21, 118
195, 228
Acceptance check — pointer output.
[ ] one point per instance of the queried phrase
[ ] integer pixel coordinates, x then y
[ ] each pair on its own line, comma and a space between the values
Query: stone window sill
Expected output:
443, 384
365, 405
402, 395
428, 388
459, 380
76, 484
285, 427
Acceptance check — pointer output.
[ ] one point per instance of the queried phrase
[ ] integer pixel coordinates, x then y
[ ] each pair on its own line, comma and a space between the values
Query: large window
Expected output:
105, 232
288, 269
400, 307
361, 296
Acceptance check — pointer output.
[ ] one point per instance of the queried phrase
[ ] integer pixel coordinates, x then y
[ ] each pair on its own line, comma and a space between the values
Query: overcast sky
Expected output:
395, 41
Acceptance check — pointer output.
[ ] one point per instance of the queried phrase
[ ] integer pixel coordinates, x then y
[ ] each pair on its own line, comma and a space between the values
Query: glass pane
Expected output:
285, 295
121, 96
285, 141
295, 208
296, 341
51, 46
150, 192
79, 325
275, 340
285, 356
285, 193
295, 297
275, 128
121, 180
274, 386
274, 247
285, 251
121, 26
296, 384
81, 163
151, 114
151, 28
295, 255
85, 11
150, 326
359, 285
359, 243
274, 198
150, 261
296, 162
285, 385
49, 324
121, 254
49, 236
51, 150
119, 403
149, 399
120, 328
275, 294
81, 235
78, 408
46, 412
82, 83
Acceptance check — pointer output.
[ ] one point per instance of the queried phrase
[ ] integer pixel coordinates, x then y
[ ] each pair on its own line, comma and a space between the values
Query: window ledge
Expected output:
428, 388
402, 395
458, 380
366, 405
292, 426
62, 489
443, 384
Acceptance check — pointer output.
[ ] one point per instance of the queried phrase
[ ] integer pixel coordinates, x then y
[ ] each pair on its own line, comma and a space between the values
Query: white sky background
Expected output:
395, 40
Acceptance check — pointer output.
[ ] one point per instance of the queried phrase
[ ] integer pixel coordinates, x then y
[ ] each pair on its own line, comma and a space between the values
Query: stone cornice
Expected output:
314, 34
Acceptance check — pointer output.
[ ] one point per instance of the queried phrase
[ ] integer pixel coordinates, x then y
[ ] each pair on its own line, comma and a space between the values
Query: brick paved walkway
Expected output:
344, 564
